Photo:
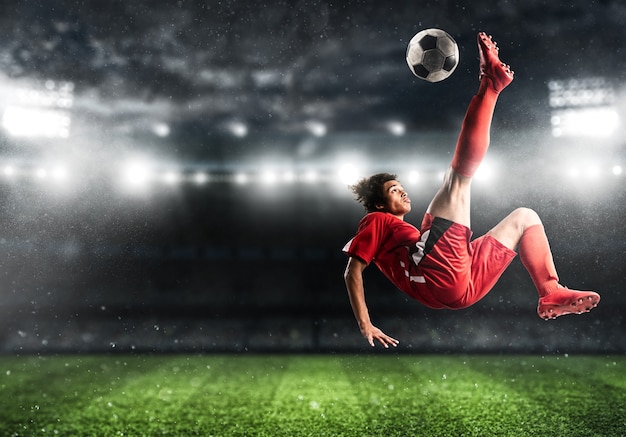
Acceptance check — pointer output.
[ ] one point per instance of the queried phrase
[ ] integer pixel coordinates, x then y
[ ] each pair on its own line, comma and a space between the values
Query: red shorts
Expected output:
459, 272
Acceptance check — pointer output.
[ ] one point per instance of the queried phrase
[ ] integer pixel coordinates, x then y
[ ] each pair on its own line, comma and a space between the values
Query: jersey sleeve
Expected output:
368, 239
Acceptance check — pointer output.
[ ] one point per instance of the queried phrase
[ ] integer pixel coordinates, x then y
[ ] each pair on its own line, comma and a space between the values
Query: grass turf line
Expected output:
298, 395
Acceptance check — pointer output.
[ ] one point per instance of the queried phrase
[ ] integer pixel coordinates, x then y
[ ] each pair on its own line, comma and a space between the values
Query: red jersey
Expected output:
439, 266
390, 243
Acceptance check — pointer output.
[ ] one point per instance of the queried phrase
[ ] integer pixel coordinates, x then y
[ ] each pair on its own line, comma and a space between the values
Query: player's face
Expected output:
397, 200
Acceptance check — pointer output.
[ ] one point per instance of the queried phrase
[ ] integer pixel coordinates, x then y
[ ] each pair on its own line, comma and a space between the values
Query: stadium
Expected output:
174, 186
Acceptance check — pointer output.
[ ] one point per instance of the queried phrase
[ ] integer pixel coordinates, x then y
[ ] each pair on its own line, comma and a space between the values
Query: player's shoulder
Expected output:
380, 219
377, 216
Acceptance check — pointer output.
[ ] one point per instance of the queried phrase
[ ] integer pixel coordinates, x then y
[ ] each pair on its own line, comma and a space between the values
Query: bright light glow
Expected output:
33, 122
200, 178
137, 174
310, 176
268, 78
593, 122
269, 177
574, 172
583, 107
161, 130
59, 173
289, 177
238, 129
171, 177
484, 172
241, 178
348, 174
592, 172
53, 95
396, 128
587, 172
591, 91
8, 170
316, 128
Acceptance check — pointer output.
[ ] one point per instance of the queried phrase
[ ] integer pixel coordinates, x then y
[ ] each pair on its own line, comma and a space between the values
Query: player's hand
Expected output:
372, 334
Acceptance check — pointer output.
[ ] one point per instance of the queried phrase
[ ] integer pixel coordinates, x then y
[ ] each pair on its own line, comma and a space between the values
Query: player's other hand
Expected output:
372, 334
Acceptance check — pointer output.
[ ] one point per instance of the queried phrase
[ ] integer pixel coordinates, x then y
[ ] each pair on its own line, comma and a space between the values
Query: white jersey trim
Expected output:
418, 279
420, 245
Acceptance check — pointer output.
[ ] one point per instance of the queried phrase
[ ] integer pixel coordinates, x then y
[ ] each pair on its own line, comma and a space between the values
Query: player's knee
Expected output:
525, 217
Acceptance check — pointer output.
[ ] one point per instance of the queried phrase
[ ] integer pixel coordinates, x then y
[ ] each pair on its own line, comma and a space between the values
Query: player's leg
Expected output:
452, 201
524, 230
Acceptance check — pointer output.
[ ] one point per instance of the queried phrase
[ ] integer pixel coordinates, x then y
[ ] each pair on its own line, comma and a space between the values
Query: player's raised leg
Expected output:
452, 201
523, 229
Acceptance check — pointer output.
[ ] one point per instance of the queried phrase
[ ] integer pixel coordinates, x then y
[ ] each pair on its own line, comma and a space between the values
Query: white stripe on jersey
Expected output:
420, 245
346, 248
419, 279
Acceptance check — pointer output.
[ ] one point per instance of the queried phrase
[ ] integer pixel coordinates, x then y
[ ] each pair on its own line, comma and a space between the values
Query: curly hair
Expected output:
369, 191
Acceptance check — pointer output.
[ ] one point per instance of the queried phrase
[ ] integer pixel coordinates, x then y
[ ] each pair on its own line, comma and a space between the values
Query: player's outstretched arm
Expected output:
353, 277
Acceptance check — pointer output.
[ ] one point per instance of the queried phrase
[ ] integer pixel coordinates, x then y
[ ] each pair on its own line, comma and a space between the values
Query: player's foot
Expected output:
491, 68
565, 301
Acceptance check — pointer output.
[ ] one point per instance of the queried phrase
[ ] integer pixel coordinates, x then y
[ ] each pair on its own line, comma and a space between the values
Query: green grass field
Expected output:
297, 395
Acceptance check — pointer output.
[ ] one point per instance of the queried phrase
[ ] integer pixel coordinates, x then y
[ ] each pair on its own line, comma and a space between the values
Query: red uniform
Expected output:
440, 267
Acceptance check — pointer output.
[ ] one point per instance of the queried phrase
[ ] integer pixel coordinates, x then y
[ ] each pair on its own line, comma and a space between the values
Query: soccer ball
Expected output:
432, 55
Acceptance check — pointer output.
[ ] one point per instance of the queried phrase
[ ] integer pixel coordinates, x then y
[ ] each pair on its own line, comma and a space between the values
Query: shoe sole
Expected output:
576, 305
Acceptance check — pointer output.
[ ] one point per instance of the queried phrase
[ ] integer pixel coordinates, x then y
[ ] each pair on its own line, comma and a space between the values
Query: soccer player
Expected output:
441, 266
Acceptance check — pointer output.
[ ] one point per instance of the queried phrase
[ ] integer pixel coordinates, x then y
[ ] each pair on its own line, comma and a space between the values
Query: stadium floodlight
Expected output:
39, 109
585, 172
574, 172
8, 170
171, 177
311, 176
396, 128
595, 122
59, 173
200, 178
49, 94
348, 174
136, 174
241, 178
289, 176
414, 177
269, 177
617, 170
581, 92
583, 107
238, 129
316, 128
161, 130
36, 122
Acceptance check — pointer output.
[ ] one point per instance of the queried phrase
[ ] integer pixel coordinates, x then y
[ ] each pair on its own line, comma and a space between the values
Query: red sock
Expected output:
534, 251
473, 141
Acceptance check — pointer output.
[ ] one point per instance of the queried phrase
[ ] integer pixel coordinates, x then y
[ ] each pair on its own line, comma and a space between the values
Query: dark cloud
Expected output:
279, 63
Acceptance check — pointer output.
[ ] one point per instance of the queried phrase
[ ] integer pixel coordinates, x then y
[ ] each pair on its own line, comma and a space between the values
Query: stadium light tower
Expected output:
39, 110
583, 107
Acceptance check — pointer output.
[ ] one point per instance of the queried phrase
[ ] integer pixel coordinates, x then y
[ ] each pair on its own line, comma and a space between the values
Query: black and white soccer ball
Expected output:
432, 55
